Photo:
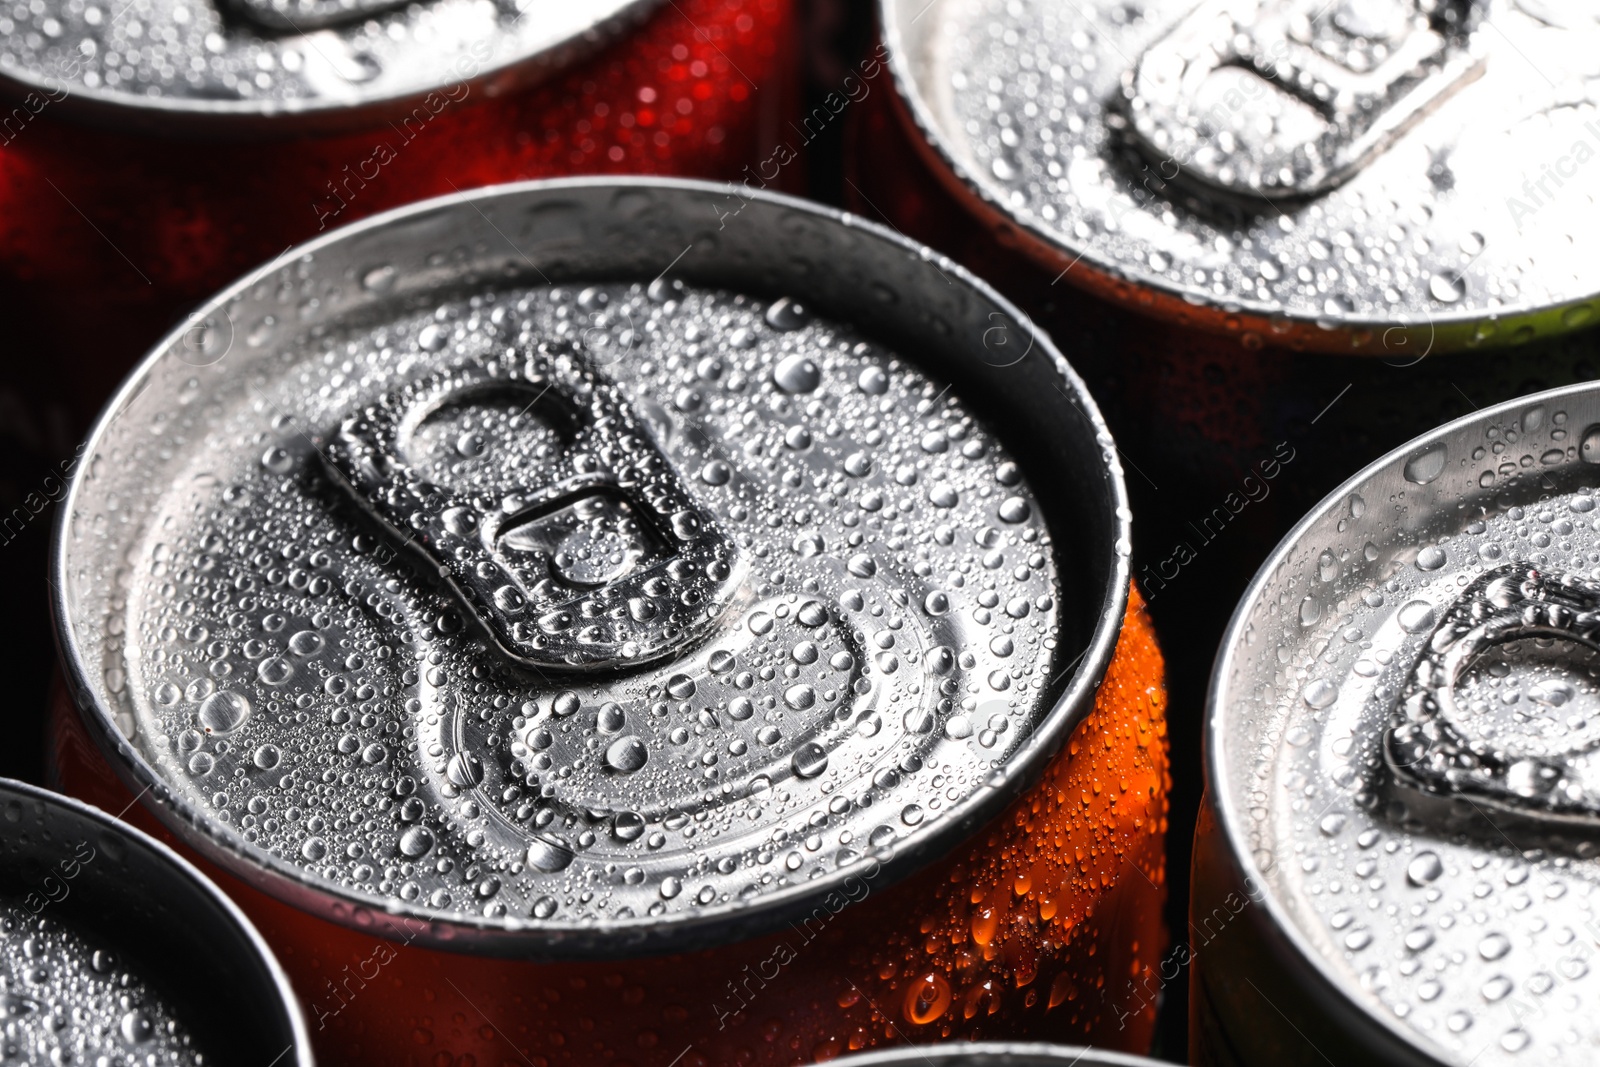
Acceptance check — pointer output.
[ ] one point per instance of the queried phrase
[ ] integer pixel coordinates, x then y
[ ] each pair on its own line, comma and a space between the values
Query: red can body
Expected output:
107, 237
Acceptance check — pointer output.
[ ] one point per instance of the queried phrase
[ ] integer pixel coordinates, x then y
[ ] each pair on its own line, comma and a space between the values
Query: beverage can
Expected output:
1395, 862
113, 949
558, 576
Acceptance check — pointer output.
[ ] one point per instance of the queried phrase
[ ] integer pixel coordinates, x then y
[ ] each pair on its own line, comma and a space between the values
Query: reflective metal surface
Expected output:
737, 594
223, 66
1362, 175
996, 1054
1402, 725
114, 950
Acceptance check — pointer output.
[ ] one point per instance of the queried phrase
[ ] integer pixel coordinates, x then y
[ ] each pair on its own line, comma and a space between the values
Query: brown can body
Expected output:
1031, 929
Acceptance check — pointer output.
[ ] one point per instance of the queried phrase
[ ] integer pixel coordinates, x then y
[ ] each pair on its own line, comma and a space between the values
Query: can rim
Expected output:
1214, 737
248, 119
204, 885
1105, 278
614, 938
1065, 1055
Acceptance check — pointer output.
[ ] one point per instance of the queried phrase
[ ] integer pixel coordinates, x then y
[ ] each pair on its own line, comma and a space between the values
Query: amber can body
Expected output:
1045, 925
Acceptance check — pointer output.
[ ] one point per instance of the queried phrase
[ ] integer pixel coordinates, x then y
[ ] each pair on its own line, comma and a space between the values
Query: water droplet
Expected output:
464, 770
136, 1027
873, 380
1014, 509
548, 854
1425, 466
626, 754
1589, 450
223, 711
811, 614
415, 842
716, 472
267, 757
1320, 694
314, 849
787, 314
800, 697
306, 643
1494, 947
797, 374
809, 760
277, 460
1416, 617
1431, 558
1446, 289
275, 670
936, 604
1424, 868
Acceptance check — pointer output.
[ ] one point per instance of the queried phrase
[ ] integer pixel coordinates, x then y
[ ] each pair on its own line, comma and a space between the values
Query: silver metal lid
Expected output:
113, 949
242, 67
471, 568
995, 1054
1403, 731
1345, 175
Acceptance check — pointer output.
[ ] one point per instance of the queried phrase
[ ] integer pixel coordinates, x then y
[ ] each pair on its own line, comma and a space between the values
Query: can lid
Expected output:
995, 1054
241, 67
1404, 727
498, 586
1320, 172
130, 938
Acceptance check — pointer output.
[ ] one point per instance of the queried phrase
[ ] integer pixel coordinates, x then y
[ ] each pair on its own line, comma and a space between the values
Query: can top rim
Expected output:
197, 880
1222, 788
1017, 1052
453, 928
496, 63
1129, 282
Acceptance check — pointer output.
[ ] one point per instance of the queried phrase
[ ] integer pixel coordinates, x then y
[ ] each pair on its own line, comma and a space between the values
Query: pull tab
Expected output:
605, 561
304, 16
1290, 98
1509, 757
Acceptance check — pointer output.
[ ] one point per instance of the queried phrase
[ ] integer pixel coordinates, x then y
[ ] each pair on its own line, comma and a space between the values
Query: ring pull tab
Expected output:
1291, 98
603, 559
1545, 767
306, 16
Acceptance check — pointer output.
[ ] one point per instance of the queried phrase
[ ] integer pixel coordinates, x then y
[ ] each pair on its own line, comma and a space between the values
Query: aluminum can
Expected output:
1256, 180
632, 619
1280, 238
997, 1054
113, 949
150, 154
1396, 862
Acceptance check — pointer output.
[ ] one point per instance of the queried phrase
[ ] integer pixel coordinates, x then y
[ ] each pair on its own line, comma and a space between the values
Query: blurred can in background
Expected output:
726, 606
115, 950
1397, 860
